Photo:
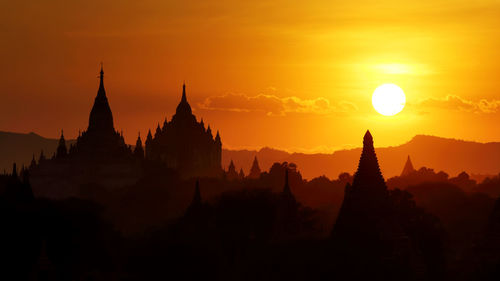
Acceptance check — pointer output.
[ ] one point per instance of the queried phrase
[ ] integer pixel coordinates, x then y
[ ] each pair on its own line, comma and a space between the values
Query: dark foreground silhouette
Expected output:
251, 229
100, 210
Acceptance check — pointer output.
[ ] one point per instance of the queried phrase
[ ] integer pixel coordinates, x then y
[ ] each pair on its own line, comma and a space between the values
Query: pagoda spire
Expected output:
368, 175
184, 109
184, 98
231, 173
408, 168
209, 132
139, 150
101, 117
101, 91
148, 144
255, 170
217, 138
365, 201
61, 149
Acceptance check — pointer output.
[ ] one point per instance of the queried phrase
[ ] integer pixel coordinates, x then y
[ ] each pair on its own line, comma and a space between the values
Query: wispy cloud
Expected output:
273, 105
454, 102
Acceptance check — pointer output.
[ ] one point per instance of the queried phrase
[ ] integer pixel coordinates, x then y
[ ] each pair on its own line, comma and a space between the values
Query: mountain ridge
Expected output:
448, 154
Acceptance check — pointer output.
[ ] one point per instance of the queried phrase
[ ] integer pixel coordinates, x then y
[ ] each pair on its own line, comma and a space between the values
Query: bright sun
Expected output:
388, 99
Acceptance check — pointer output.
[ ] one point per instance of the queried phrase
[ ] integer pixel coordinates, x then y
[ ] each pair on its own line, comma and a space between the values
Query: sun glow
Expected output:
388, 99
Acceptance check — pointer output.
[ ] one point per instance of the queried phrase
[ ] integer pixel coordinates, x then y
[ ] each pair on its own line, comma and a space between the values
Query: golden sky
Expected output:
295, 75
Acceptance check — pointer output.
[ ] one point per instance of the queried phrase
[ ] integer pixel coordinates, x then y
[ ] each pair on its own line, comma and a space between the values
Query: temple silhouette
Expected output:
100, 205
99, 156
385, 226
364, 209
185, 145
255, 170
408, 168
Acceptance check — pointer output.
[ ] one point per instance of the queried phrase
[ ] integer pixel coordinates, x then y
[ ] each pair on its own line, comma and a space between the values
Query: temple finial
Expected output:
368, 139
184, 99
101, 73
101, 91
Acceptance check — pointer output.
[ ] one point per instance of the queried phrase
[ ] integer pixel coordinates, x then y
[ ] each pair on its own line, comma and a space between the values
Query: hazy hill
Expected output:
450, 155
19, 148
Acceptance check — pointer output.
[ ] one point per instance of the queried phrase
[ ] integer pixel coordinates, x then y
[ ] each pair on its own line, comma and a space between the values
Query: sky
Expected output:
292, 75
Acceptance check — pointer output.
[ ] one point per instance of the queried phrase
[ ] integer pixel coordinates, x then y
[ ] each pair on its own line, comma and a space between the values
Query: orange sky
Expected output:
289, 74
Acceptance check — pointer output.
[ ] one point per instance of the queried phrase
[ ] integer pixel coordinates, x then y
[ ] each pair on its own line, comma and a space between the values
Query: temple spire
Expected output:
408, 169
184, 99
368, 140
101, 91
101, 118
139, 150
62, 151
217, 138
255, 170
209, 132
183, 109
368, 175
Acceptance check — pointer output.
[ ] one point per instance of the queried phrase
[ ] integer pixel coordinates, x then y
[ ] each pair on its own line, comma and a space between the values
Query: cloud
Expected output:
454, 102
273, 105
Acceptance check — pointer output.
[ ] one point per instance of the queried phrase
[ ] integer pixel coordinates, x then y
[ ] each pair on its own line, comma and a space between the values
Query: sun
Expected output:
388, 99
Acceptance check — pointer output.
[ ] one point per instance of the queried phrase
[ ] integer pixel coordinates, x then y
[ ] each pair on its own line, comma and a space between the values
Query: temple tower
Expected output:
101, 118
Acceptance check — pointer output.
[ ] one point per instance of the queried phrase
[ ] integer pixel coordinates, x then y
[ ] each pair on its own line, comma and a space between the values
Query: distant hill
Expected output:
449, 155
19, 148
